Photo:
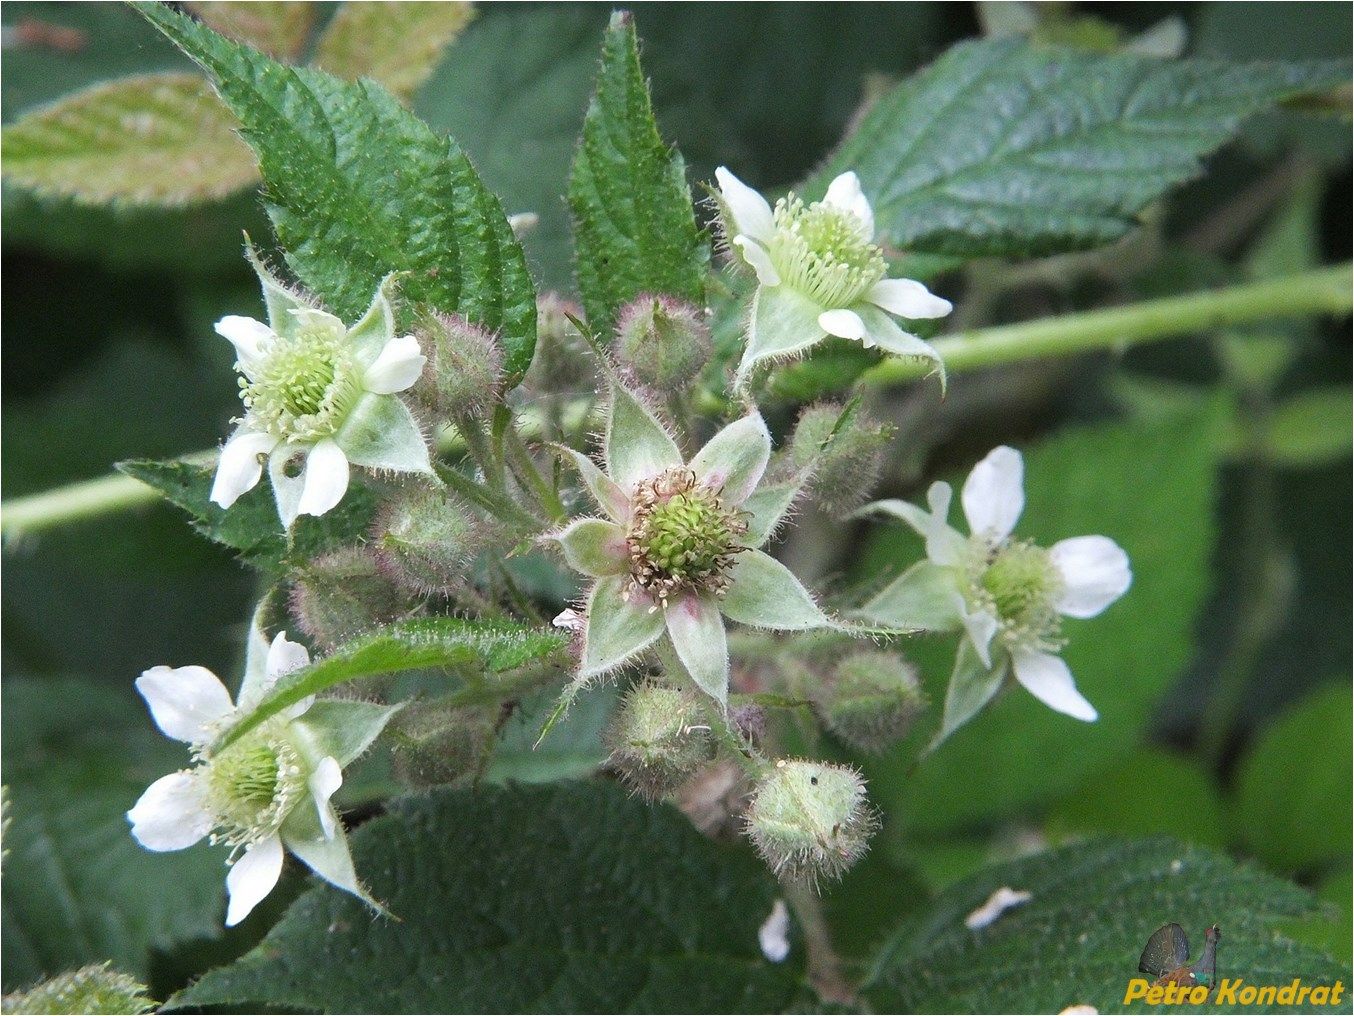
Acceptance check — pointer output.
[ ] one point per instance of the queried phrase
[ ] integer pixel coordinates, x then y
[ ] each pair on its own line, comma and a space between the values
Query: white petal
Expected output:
247, 336
751, 213
756, 256
1095, 573
994, 494
284, 656
186, 702
908, 299
324, 781
1047, 678
981, 626
844, 323
326, 478
398, 366
240, 466
845, 193
286, 468
171, 815
252, 877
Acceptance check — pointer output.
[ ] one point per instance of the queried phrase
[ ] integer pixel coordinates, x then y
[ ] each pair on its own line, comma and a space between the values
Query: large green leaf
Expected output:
409, 645
1293, 788
569, 898
78, 888
1078, 939
1148, 486
633, 220
358, 187
1001, 148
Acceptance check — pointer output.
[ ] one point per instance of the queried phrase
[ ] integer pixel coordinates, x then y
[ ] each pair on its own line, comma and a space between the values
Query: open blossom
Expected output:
1007, 595
820, 273
269, 789
319, 397
677, 551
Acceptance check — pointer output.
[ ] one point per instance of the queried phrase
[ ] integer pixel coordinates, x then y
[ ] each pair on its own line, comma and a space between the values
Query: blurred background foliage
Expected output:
1220, 461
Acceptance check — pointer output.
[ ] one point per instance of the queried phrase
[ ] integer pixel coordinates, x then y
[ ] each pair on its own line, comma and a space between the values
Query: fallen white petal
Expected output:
252, 877
774, 934
186, 702
570, 620
997, 904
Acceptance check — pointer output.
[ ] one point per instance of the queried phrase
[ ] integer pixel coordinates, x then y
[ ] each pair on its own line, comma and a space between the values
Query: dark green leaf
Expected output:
409, 645
1293, 789
78, 888
633, 220
1000, 148
358, 187
568, 898
251, 526
1078, 939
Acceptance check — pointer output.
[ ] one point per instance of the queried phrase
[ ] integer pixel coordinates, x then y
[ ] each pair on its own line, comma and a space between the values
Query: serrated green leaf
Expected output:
77, 755
1085, 481
156, 139
634, 226
1293, 788
1078, 939
276, 27
396, 43
409, 645
1000, 148
251, 525
568, 898
327, 150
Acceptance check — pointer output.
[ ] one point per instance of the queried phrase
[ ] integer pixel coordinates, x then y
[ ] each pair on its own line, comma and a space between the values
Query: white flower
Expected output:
319, 397
1009, 596
269, 789
820, 273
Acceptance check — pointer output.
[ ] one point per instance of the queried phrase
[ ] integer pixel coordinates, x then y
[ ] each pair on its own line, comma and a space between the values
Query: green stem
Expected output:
1321, 291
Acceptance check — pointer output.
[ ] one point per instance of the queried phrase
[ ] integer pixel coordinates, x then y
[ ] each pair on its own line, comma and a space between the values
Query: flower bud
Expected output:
561, 362
465, 365
95, 988
810, 820
433, 744
664, 342
658, 739
871, 700
426, 541
844, 466
343, 594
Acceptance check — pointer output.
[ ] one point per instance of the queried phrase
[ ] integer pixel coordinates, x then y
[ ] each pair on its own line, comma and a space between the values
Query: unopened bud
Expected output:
810, 820
433, 744
664, 342
343, 594
96, 988
872, 699
561, 362
658, 739
465, 365
425, 540
844, 466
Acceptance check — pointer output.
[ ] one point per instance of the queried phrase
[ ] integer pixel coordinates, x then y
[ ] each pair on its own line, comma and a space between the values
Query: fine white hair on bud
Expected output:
658, 739
810, 820
425, 540
871, 699
466, 370
345, 593
663, 342
842, 463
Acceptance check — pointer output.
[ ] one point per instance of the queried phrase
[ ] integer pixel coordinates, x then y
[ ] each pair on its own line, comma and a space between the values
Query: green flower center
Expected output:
824, 252
682, 536
305, 386
1019, 583
252, 786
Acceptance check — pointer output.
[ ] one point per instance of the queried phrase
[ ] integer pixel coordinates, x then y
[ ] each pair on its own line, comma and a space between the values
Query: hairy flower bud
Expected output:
810, 820
342, 594
658, 739
426, 541
561, 362
664, 342
871, 700
465, 365
433, 744
843, 467
95, 988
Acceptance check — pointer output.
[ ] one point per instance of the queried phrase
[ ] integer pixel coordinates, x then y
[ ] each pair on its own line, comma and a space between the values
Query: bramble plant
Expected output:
508, 536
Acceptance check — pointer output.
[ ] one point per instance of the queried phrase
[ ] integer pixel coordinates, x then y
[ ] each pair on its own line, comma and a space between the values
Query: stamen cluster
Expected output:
252, 787
824, 252
304, 385
1018, 583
